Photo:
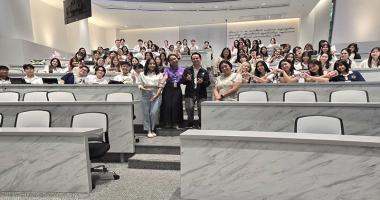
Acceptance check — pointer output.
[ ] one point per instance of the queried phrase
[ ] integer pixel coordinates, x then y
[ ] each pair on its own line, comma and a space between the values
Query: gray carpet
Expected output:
133, 184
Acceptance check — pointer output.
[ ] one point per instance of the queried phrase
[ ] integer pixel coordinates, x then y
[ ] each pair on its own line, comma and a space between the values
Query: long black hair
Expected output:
370, 58
146, 67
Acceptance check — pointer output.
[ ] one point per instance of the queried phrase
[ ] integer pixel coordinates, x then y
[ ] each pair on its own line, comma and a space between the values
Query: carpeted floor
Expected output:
133, 184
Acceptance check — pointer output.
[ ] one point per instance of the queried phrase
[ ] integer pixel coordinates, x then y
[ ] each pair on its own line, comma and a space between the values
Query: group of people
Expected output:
159, 76
254, 64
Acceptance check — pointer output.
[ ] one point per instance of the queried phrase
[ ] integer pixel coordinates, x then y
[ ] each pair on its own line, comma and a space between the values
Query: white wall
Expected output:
316, 25
357, 21
216, 34
49, 29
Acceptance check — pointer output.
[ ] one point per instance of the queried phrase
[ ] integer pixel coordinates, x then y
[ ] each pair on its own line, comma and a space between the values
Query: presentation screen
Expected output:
76, 10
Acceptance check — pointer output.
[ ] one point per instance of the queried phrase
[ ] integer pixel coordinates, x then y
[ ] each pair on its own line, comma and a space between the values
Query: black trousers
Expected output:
171, 107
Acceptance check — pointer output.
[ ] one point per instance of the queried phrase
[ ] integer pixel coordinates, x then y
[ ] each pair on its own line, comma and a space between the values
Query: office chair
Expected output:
36, 96
9, 96
253, 96
349, 96
319, 124
61, 96
98, 144
33, 118
301, 96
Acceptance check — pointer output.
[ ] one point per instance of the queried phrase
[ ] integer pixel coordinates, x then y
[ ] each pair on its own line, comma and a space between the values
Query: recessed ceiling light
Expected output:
216, 6
171, 7
263, 4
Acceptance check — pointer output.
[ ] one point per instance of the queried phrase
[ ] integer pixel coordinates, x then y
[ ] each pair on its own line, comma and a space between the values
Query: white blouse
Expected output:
128, 79
151, 79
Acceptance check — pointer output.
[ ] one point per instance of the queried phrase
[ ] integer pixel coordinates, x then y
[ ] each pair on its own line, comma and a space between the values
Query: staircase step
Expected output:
154, 161
157, 145
170, 131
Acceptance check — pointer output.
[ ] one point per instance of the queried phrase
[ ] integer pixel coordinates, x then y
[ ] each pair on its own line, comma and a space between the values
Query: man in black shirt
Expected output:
197, 80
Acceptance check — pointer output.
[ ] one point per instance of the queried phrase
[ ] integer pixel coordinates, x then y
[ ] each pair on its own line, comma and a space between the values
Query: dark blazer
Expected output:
354, 76
68, 78
201, 90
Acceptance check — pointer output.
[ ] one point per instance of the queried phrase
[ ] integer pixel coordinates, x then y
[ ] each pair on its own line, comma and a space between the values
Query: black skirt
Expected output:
171, 107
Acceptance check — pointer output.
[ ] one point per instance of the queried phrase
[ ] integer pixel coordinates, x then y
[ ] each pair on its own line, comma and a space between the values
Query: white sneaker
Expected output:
150, 135
154, 134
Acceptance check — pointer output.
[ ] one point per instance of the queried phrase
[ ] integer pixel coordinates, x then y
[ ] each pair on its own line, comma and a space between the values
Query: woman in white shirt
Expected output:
345, 56
55, 66
98, 78
126, 77
374, 59
150, 84
262, 73
228, 84
30, 77
287, 73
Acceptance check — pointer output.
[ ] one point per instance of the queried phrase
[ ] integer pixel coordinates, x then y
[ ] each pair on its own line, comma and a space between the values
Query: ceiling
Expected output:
134, 14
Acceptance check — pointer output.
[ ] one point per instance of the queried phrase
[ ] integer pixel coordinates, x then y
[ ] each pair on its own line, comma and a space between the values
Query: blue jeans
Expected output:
151, 109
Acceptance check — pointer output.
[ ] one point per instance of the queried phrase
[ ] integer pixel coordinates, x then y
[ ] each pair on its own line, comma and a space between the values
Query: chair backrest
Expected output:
119, 97
319, 124
9, 96
33, 118
92, 120
353, 96
35, 96
300, 96
61, 96
253, 96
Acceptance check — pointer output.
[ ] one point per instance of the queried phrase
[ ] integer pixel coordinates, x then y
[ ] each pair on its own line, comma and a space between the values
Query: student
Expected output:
273, 43
98, 78
196, 79
140, 45
55, 66
234, 48
344, 73
126, 77
326, 48
275, 58
306, 58
30, 77
114, 67
262, 73
315, 72
193, 46
264, 52
345, 56
4, 75
227, 84
373, 60
245, 72
150, 84
325, 62
354, 51
287, 72
117, 45
80, 78
225, 55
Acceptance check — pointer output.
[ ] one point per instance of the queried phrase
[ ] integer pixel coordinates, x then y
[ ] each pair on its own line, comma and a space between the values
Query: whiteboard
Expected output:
284, 30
